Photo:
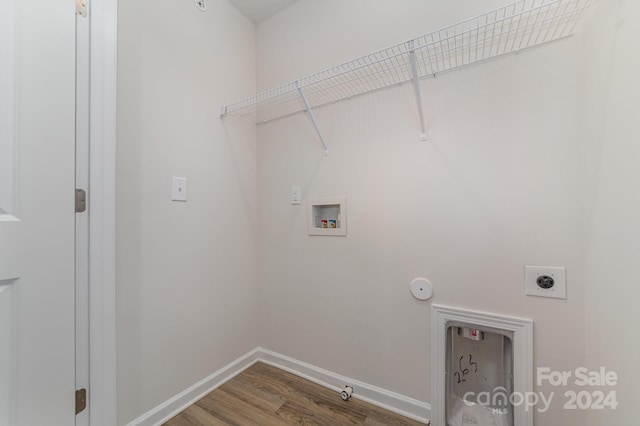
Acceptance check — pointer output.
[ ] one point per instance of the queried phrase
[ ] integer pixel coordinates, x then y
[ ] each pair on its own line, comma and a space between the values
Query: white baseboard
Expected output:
397, 403
178, 403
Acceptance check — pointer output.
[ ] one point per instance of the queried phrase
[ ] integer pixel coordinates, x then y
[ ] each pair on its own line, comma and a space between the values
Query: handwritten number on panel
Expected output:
463, 370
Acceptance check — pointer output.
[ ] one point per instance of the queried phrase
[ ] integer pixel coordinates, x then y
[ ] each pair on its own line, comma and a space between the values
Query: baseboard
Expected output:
397, 403
178, 403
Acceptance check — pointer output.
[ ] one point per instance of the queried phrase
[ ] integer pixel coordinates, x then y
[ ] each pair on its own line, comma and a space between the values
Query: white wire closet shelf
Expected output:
502, 31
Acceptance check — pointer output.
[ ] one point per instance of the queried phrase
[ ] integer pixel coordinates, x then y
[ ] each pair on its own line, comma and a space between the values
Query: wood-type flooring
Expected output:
263, 395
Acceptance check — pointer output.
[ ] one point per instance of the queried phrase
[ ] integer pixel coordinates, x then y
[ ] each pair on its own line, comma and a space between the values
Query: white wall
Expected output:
613, 225
531, 160
186, 291
498, 185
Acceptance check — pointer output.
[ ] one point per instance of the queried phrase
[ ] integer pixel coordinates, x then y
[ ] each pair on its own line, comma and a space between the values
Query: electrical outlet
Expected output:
545, 281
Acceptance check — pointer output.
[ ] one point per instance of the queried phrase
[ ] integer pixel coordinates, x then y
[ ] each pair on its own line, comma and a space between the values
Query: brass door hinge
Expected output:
81, 200
81, 7
81, 400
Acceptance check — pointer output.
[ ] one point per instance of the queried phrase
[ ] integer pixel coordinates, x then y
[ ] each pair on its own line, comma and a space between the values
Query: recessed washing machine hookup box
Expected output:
327, 216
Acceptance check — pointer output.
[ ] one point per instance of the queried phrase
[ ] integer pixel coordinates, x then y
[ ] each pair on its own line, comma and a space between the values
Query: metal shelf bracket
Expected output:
312, 117
416, 86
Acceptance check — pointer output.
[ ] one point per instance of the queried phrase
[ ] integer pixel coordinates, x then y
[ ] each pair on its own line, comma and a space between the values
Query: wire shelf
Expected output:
509, 29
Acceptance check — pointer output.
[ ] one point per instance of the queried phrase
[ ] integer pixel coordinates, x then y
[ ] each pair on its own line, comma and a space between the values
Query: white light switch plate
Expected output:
534, 273
296, 194
179, 189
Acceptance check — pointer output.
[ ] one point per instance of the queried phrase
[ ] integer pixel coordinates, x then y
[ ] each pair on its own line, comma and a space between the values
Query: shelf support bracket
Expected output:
313, 119
416, 87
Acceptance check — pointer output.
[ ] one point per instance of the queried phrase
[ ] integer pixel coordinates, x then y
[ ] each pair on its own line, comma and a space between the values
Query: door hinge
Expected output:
81, 200
81, 7
81, 400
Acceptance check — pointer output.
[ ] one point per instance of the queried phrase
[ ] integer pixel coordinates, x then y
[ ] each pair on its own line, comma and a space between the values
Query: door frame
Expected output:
83, 39
102, 214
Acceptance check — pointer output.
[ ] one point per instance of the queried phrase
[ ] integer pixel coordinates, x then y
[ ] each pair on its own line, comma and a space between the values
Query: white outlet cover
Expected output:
421, 289
559, 275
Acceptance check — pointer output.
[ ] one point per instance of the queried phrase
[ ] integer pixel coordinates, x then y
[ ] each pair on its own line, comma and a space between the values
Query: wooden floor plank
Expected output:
195, 416
379, 417
303, 412
234, 411
313, 397
264, 395
254, 395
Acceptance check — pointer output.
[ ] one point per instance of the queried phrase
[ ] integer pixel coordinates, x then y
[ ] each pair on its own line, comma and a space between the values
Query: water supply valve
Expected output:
346, 393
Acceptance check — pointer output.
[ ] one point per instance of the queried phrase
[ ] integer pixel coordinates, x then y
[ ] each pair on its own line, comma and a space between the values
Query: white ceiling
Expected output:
257, 10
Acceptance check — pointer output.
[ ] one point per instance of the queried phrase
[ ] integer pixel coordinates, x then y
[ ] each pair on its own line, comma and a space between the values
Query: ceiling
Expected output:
257, 10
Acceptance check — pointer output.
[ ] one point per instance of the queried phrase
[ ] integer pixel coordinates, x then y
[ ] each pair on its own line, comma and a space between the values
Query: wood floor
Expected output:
264, 395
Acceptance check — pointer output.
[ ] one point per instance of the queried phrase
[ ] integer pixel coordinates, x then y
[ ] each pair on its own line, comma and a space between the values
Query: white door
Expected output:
37, 126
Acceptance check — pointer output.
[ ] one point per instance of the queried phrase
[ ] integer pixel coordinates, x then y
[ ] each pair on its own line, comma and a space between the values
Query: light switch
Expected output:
296, 193
179, 189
